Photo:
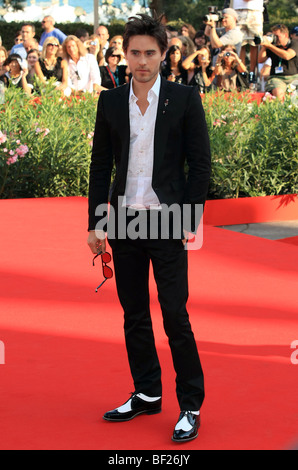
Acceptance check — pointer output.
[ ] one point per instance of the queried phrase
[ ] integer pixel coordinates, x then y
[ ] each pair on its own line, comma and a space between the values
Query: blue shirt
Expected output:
56, 33
19, 49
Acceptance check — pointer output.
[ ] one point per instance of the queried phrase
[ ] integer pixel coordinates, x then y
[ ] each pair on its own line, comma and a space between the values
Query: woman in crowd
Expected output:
50, 65
3, 57
229, 70
32, 58
83, 70
94, 47
172, 69
113, 74
16, 74
117, 41
200, 73
188, 30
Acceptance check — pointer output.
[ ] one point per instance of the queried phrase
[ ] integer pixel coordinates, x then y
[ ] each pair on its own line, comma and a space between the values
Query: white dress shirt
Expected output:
139, 194
83, 74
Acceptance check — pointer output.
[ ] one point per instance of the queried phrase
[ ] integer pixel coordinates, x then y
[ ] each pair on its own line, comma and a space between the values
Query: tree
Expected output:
190, 11
15, 4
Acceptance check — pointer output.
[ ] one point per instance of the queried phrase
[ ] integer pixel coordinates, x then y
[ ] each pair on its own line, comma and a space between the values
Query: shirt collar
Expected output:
155, 90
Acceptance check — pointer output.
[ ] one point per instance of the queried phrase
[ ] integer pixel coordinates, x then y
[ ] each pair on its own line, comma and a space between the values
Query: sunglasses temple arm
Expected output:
97, 289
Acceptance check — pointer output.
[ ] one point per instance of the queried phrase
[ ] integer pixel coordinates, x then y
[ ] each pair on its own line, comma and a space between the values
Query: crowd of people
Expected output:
212, 58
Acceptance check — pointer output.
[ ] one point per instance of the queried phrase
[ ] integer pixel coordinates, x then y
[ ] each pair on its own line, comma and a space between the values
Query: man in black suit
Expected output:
149, 128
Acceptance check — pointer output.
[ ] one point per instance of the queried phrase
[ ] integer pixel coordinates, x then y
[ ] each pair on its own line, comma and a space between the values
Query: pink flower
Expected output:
3, 138
46, 132
22, 150
38, 130
11, 152
12, 160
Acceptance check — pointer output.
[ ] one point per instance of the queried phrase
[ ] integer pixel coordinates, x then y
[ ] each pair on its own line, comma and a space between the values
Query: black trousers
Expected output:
170, 265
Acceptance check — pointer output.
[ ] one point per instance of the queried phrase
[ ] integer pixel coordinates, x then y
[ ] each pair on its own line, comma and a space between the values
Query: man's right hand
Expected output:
96, 244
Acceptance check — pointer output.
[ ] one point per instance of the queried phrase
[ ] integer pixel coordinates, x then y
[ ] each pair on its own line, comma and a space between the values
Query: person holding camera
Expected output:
232, 34
200, 73
229, 69
283, 52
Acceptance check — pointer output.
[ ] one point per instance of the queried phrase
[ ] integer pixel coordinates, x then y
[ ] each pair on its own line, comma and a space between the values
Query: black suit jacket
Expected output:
180, 135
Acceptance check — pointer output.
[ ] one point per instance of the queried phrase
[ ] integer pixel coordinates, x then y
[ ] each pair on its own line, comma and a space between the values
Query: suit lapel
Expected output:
162, 125
123, 126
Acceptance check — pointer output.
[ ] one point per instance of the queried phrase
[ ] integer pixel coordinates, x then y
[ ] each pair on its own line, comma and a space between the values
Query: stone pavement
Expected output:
268, 230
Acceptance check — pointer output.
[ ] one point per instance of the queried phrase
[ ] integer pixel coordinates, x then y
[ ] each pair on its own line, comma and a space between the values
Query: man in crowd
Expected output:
48, 24
250, 22
28, 33
232, 35
284, 56
103, 33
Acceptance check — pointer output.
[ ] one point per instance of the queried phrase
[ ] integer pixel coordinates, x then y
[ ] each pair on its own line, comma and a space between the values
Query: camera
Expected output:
213, 15
227, 54
93, 43
268, 39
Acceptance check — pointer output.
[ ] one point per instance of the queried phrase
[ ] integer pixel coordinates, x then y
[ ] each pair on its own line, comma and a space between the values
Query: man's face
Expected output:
27, 33
144, 58
103, 33
228, 21
281, 38
46, 23
30, 44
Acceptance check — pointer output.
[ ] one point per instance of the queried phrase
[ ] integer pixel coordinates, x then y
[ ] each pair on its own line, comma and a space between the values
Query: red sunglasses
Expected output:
107, 271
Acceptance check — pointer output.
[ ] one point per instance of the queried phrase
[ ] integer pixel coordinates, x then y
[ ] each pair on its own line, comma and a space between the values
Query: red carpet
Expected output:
290, 240
65, 360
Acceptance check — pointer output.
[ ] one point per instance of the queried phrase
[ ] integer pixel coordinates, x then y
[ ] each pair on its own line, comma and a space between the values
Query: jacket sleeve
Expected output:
101, 165
198, 156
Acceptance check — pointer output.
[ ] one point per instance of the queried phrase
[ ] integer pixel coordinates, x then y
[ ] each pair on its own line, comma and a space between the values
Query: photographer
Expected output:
232, 34
200, 74
283, 53
230, 69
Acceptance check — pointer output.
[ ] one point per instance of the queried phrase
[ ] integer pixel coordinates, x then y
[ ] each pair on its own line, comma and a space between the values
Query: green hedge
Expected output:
45, 145
8, 30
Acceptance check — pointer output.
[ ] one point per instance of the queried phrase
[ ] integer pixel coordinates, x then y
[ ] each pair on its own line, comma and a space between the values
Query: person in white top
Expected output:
250, 21
83, 70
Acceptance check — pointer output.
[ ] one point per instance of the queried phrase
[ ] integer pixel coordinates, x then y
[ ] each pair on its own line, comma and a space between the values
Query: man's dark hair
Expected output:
31, 26
144, 25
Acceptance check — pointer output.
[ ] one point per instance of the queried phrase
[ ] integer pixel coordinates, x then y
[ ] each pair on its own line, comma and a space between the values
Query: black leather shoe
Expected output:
138, 407
185, 436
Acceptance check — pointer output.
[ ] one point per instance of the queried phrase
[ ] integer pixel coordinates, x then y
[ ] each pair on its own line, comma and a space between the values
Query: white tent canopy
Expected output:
68, 14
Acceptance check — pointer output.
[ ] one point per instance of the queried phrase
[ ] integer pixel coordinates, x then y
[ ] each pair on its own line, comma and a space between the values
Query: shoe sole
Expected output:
123, 420
181, 441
